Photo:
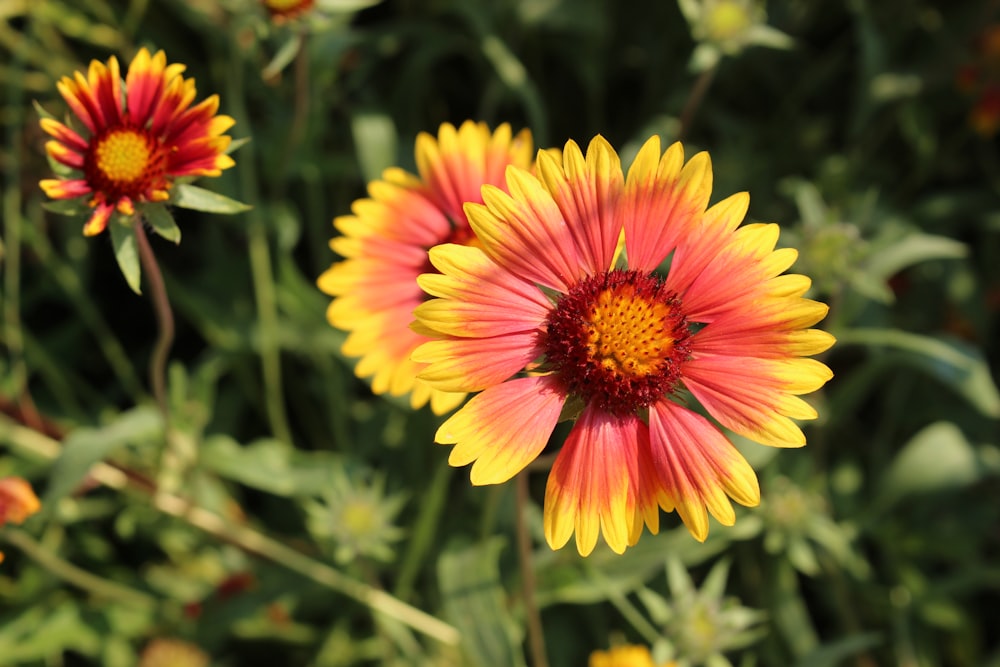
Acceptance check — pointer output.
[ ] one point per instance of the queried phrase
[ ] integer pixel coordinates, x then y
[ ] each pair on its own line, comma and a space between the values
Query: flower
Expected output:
544, 322
17, 501
357, 516
701, 624
139, 137
627, 655
727, 27
287, 10
385, 242
167, 652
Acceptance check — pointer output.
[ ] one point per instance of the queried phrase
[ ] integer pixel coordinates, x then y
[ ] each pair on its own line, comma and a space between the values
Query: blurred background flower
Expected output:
355, 517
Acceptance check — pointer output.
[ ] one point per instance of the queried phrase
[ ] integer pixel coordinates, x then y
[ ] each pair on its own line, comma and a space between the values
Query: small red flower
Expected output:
136, 138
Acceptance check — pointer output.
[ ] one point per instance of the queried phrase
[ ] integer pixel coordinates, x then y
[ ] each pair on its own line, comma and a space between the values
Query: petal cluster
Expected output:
129, 140
385, 242
742, 355
17, 501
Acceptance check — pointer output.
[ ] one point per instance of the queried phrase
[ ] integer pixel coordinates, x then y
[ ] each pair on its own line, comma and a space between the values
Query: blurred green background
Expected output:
315, 507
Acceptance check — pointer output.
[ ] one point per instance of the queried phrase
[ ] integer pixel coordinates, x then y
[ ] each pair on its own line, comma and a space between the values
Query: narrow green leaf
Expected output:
127, 253
236, 144
200, 199
40, 110
837, 652
958, 365
159, 218
285, 55
474, 601
84, 447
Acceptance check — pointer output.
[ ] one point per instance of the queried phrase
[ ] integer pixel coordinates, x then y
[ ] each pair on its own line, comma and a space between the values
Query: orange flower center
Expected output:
124, 162
617, 340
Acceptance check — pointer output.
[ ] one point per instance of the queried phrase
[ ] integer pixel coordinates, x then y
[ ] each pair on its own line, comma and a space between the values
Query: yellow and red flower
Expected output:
287, 10
136, 138
385, 242
17, 501
626, 655
545, 320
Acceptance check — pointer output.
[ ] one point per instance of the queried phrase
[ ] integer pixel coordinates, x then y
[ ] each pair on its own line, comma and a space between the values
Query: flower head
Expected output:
626, 655
167, 652
701, 624
385, 242
727, 27
357, 516
544, 320
137, 136
17, 501
287, 10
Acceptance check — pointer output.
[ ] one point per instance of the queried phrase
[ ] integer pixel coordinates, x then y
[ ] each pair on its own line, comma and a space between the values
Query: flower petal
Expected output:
749, 395
586, 190
480, 298
698, 468
503, 429
525, 232
473, 364
664, 199
588, 490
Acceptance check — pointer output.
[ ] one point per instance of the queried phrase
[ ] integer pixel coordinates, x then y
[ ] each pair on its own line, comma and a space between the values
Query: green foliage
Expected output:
874, 545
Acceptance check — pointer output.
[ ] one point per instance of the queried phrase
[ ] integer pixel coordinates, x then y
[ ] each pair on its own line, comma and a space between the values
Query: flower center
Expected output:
727, 20
124, 162
617, 340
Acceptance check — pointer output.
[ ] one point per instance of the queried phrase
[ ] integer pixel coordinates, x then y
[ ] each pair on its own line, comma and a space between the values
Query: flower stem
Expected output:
164, 321
99, 587
536, 635
261, 270
177, 451
701, 86
240, 535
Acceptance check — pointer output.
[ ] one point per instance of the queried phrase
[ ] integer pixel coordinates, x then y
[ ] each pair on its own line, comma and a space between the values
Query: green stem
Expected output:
164, 321
177, 451
267, 313
260, 264
701, 86
99, 587
624, 606
244, 537
431, 509
536, 634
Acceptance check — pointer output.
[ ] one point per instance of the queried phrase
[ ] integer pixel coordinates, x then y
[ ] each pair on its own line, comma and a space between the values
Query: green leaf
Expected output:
475, 602
346, 6
127, 253
75, 207
375, 138
40, 110
159, 218
84, 447
285, 55
200, 199
837, 652
911, 250
938, 458
269, 465
958, 365
236, 144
